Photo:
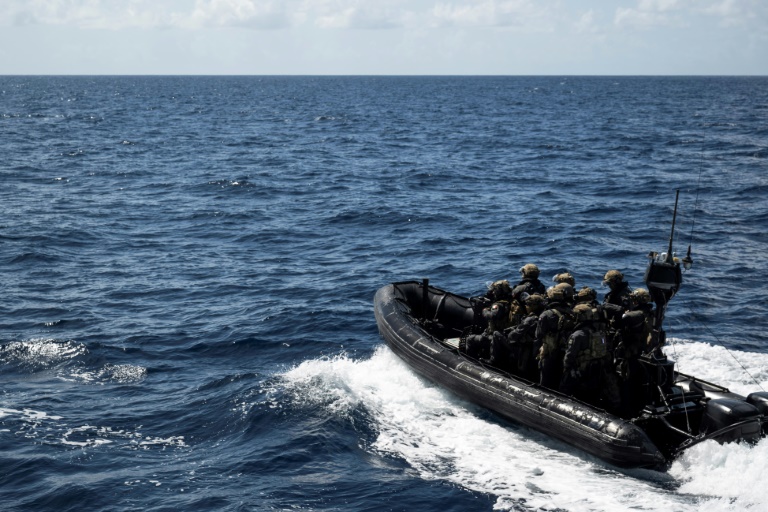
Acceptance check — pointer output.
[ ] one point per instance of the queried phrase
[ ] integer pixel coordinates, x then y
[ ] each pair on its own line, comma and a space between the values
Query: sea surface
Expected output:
188, 266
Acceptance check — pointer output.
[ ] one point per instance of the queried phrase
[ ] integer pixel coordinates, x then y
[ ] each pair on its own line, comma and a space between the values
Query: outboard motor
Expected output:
760, 401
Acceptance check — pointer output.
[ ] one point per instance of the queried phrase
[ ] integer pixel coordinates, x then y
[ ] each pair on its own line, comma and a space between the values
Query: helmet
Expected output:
499, 290
612, 277
529, 270
586, 294
535, 302
641, 296
561, 292
565, 277
584, 313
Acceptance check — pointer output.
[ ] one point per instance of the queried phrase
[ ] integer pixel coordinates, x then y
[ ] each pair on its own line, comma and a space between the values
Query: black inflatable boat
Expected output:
423, 325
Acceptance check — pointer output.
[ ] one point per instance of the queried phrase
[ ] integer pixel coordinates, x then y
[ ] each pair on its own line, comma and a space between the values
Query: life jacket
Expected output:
596, 349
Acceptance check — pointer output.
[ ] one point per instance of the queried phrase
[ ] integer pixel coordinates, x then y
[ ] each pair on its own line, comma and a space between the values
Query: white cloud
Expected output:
94, 14
493, 13
358, 14
659, 5
732, 13
530, 16
586, 23
654, 13
257, 14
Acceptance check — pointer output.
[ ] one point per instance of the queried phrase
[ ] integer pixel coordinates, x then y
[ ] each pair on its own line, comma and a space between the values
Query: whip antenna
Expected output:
688, 261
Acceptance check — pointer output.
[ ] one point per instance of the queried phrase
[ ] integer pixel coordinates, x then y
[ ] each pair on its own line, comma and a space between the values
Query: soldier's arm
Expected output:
569, 361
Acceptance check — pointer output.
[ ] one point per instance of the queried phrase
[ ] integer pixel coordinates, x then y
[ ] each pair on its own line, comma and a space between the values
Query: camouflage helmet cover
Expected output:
561, 291
535, 301
641, 296
586, 294
565, 277
584, 312
613, 276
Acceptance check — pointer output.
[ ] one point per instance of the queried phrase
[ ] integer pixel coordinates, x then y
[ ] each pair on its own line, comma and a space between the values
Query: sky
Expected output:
384, 37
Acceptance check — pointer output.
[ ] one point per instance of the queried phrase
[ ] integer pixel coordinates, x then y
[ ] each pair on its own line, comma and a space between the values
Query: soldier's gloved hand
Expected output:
575, 373
497, 336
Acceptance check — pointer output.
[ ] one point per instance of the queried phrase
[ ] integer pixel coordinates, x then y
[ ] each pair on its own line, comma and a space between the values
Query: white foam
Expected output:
38, 424
444, 438
741, 372
117, 373
41, 353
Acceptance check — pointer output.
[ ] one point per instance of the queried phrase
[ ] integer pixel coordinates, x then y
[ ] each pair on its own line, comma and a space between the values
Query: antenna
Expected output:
672, 234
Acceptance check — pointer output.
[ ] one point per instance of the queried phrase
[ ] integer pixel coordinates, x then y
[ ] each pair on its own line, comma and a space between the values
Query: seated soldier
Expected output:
529, 283
497, 319
521, 338
636, 326
587, 365
499, 290
619, 289
565, 277
552, 330
586, 295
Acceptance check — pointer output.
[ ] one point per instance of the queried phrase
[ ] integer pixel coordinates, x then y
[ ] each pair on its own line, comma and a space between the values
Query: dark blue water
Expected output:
188, 266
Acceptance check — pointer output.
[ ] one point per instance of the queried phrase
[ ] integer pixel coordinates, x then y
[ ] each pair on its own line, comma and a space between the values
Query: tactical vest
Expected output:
557, 339
498, 318
637, 331
596, 349
525, 331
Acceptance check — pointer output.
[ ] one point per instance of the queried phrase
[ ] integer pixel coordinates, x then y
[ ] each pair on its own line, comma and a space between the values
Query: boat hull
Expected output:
398, 309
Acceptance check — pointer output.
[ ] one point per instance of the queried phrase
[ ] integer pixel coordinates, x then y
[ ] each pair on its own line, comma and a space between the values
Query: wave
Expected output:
443, 438
53, 430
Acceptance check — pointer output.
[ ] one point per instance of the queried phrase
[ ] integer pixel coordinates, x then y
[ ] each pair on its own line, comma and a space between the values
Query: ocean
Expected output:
188, 267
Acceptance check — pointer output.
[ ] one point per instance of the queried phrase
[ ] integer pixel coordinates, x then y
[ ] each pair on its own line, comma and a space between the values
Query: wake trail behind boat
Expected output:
444, 438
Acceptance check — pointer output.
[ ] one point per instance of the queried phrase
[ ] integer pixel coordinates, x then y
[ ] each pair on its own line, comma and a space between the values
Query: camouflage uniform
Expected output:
529, 283
513, 351
552, 331
636, 327
620, 291
587, 365
497, 318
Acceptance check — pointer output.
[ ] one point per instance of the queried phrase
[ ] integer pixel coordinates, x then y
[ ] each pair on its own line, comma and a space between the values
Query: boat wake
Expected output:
442, 437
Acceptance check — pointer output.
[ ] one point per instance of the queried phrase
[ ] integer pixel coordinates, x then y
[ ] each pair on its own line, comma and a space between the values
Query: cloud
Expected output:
278, 14
655, 13
532, 16
586, 23
732, 13
359, 14
91, 14
493, 13
256, 14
